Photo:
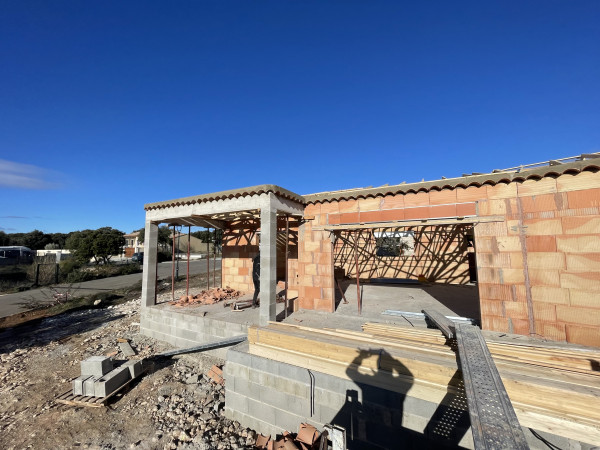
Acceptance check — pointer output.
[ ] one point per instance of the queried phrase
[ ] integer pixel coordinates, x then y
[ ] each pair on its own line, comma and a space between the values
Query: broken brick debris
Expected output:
308, 438
216, 374
208, 297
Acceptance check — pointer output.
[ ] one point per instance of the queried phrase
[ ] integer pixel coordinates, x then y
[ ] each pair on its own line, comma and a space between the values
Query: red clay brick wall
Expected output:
440, 255
241, 245
315, 263
550, 238
316, 251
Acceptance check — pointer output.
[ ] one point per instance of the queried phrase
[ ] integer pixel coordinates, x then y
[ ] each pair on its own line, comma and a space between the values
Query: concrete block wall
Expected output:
539, 269
187, 330
271, 397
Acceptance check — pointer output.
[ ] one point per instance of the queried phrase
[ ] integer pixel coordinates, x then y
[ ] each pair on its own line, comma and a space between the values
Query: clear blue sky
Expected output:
107, 105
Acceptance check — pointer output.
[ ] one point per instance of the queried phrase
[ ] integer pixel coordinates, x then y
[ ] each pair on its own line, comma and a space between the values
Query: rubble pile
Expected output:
208, 297
189, 414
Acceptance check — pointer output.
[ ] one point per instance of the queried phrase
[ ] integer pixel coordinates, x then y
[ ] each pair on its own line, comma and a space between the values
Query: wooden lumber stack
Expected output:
551, 388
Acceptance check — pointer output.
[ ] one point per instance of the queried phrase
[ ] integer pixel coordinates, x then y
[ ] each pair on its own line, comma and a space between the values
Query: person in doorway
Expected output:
256, 279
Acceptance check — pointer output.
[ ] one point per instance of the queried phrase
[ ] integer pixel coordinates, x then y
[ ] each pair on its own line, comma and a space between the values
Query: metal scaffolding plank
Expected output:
493, 419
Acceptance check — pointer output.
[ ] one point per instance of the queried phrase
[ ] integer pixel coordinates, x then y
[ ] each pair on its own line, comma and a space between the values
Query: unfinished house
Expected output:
515, 251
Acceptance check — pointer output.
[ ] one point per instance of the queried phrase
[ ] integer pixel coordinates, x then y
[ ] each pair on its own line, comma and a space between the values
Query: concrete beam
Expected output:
268, 261
225, 206
150, 258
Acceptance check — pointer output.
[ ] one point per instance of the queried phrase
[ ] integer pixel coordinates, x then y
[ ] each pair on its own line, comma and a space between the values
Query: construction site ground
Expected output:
163, 409
39, 360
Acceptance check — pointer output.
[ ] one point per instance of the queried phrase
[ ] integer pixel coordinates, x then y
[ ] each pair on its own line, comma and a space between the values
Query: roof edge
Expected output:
491, 179
232, 193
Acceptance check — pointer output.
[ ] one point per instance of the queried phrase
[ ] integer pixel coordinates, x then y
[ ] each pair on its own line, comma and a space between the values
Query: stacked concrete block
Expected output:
96, 366
89, 386
135, 368
110, 382
99, 378
78, 384
183, 330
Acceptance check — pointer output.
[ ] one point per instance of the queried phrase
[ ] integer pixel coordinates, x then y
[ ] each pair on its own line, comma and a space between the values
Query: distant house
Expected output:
133, 244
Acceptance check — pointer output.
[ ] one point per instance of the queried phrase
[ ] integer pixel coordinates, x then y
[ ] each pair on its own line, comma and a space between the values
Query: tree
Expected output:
4, 239
99, 244
164, 236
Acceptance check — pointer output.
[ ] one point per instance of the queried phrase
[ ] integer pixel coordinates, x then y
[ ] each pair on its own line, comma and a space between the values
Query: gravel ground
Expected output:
174, 405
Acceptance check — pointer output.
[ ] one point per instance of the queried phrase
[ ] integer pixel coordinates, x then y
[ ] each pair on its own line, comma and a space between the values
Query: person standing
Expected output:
256, 279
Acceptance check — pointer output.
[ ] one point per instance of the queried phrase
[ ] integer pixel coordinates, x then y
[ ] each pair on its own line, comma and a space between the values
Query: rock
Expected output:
193, 379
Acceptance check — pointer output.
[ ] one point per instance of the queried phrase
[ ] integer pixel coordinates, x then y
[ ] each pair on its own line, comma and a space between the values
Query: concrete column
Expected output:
268, 262
150, 255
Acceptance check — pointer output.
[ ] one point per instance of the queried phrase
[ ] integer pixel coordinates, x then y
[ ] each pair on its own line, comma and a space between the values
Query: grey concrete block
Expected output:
78, 384
111, 381
259, 409
96, 366
236, 401
135, 368
89, 386
126, 349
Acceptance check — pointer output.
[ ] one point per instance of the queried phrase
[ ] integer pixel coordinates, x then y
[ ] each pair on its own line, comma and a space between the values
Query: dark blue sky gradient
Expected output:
126, 103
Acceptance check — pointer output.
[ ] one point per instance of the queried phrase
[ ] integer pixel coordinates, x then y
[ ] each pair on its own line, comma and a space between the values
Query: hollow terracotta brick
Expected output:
417, 213
419, 199
393, 201
549, 330
583, 335
502, 191
466, 209
587, 198
581, 225
348, 206
581, 181
578, 315
443, 197
540, 227
547, 294
537, 187
541, 243
544, 277
578, 244
516, 310
544, 312
442, 211
370, 204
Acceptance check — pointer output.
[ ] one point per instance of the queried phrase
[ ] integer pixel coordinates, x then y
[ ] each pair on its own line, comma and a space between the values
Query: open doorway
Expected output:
409, 268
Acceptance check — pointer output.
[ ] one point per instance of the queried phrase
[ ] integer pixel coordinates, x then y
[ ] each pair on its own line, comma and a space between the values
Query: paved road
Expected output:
15, 303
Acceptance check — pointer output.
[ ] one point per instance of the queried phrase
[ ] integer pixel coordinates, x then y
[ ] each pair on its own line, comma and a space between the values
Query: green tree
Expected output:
164, 236
99, 244
4, 239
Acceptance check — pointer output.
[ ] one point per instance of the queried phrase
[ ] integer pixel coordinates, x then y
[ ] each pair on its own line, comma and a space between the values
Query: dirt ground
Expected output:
173, 405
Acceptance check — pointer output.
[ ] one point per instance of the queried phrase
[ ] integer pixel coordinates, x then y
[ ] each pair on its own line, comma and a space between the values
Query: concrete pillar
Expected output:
268, 262
150, 255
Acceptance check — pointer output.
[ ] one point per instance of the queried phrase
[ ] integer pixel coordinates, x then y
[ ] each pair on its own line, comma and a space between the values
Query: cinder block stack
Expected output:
99, 378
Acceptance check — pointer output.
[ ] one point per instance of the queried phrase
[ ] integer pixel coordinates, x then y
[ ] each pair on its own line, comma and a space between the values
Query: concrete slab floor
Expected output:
449, 299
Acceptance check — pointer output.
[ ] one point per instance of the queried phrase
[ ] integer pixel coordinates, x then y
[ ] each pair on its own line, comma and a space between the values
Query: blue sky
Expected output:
105, 106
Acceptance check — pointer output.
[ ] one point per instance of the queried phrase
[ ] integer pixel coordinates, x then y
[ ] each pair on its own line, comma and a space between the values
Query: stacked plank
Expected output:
552, 389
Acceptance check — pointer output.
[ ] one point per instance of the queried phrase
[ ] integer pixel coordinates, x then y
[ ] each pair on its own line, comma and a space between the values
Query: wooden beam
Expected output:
412, 223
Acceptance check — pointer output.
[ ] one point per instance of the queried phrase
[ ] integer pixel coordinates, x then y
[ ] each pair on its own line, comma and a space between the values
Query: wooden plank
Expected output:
438, 319
412, 223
